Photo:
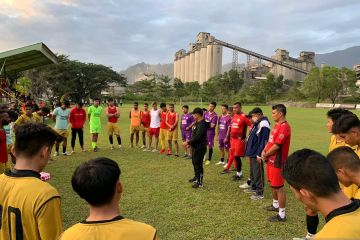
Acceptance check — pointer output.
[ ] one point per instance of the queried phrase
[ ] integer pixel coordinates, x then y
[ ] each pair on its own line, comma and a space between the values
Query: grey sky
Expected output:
122, 33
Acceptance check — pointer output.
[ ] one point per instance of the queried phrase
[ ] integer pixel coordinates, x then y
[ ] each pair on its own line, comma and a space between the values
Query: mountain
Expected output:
342, 58
137, 72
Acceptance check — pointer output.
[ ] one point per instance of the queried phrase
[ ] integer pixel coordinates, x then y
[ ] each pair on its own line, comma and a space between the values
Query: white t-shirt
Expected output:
155, 118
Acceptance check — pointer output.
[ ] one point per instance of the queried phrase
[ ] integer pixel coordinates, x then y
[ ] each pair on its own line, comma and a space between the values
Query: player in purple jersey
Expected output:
187, 121
211, 118
223, 126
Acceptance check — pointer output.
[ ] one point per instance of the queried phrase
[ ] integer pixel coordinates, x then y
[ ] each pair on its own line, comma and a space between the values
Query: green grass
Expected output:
157, 191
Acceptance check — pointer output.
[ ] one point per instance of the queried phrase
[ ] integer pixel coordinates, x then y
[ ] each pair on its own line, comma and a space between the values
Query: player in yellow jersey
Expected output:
348, 128
314, 182
332, 116
30, 208
346, 164
98, 182
27, 117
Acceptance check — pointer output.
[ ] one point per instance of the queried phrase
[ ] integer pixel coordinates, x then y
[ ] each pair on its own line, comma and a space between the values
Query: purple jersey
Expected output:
186, 121
224, 124
211, 118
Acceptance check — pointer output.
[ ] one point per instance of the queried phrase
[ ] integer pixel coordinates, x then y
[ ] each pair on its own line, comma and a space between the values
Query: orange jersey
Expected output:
135, 118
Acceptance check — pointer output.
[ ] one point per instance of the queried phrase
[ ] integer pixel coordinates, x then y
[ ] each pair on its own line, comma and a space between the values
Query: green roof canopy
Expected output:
25, 58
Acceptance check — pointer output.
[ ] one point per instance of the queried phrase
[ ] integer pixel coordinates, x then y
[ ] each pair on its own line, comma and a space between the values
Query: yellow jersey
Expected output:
38, 118
342, 223
26, 119
115, 229
29, 207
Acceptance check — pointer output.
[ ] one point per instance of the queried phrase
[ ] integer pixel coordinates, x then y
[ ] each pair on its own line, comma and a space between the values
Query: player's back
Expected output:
115, 229
29, 207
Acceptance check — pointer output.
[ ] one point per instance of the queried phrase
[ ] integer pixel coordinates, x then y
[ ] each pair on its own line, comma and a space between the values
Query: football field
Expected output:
157, 191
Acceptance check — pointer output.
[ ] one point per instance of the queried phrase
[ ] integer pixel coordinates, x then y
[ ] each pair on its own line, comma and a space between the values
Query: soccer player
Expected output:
223, 127
135, 122
30, 207
163, 127
211, 118
145, 123
172, 119
94, 115
198, 146
237, 135
187, 121
154, 129
98, 182
314, 182
347, 167
275, 153
27, 117
332, 116
257, 140
61, 117
39, 115
8, 129
4, 120
77, 120
113, 114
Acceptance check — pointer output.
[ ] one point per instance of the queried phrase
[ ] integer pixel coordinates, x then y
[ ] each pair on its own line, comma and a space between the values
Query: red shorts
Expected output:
274, 176
238, 147
154, 131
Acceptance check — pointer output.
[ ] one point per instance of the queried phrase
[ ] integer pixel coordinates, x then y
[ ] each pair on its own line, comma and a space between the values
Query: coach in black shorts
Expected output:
198, 145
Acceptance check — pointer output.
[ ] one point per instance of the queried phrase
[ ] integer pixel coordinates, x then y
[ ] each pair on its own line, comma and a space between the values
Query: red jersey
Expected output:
77, 118
3, 147
112, 110
280, 135
239, 123
163, 119
171, 119
145, 119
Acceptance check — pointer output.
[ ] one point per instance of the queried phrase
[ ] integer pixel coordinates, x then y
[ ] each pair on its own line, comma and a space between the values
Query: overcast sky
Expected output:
120, 33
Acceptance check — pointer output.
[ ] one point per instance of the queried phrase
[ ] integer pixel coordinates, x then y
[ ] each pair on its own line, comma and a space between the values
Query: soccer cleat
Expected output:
83, 150
192, 180
72, 152
96, 149
197, 185
56, 154
162, 151
225, 171
66, 154
169, 153
154, 150
207, 162
189, 157
244, 186
249, 190
120, 146
185, 156
271, 208
143, 146
220, 163
256, 197
177, 155
237, 178
112, 147
277, 218
147, 150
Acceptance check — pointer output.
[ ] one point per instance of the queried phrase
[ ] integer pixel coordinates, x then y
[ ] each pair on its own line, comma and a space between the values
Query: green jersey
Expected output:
95, 116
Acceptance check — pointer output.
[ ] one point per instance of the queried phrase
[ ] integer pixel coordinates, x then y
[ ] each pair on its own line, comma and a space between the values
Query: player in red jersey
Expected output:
172, 120
237, 135
145, 123
275, 153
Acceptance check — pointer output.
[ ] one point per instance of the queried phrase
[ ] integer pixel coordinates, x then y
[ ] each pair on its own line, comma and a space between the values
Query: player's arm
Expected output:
166, 122
227, 138
176, 119
213, 122
18, 121
49, 219
130, 114
89, 113
53, 117
263, 139
117, 112
198, 135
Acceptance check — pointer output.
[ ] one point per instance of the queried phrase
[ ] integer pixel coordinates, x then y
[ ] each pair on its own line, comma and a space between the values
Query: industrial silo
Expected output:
197, 66
217, 59
209, 62
202, 65
182, 76
187, 60
191, 66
